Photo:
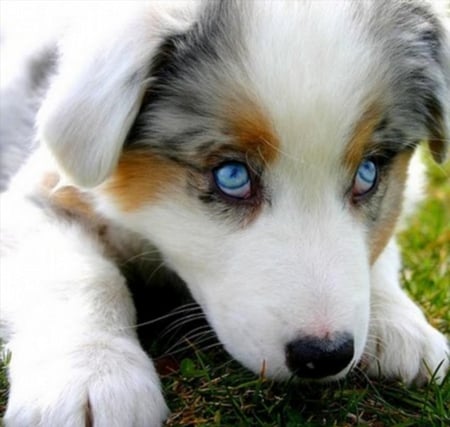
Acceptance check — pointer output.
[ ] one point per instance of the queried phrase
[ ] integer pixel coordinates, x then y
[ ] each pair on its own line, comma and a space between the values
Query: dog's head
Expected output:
263, 147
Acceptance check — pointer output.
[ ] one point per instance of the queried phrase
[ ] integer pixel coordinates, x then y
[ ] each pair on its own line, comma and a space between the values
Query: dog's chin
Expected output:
292, 377
283, 374
279, 372
334, 378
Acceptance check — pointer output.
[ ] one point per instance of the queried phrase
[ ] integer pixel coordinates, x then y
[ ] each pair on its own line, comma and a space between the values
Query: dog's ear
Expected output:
439, 139
103, 73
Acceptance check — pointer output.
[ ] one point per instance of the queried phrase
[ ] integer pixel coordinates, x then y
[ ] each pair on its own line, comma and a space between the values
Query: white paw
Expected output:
103, 385
406, 347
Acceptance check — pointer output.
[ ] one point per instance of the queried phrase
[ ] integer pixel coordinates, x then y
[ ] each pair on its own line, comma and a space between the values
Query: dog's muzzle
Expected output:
316, 358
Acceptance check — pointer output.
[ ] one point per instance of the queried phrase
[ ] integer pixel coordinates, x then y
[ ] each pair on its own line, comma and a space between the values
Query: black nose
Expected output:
312, 357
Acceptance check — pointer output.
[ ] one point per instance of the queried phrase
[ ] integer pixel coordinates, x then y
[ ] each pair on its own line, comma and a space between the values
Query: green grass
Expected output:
207, 388
227, 395
4, 359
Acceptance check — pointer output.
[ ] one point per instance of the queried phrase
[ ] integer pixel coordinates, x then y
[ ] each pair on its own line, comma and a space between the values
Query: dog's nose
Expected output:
312, 357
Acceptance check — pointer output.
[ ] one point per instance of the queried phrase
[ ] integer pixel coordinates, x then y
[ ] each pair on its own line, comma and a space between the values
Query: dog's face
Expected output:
263, 147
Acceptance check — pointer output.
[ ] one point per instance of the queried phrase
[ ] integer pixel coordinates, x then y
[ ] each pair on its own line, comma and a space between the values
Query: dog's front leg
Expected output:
75, 358
401, 343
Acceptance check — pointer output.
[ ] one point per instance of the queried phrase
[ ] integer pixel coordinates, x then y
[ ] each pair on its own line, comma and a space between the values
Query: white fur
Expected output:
301, 267
401, 343
72, 336
101, 79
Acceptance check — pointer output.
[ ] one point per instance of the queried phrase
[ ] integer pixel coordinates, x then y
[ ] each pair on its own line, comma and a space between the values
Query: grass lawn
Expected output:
205, 387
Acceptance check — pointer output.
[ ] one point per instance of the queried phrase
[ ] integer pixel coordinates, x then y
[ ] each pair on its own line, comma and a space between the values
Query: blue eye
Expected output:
233, 179
366, 178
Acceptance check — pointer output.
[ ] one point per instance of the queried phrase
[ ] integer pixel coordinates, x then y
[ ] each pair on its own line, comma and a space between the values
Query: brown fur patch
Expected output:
73, 204
140, 178
382, 232
253, 131
73, 201
361, 138
67, 198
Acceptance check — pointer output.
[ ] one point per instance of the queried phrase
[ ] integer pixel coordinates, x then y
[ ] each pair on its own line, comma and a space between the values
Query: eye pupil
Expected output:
233, 179
367, 171
234, 173
366, 178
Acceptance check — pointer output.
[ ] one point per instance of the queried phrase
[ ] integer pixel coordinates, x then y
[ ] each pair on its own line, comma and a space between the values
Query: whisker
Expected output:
154, 272
195, 332
197, 349
177, 324
143, 255
187, 308
191, 342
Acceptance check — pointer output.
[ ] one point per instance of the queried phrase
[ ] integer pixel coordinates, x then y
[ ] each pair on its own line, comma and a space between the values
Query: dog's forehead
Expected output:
322, 69
306, 72
315, 70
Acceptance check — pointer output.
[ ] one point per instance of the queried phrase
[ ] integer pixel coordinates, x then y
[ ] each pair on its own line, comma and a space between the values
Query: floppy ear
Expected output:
439, 140
94, 99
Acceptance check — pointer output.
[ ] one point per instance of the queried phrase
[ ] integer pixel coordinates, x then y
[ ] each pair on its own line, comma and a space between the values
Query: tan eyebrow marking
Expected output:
361, 138
252, 129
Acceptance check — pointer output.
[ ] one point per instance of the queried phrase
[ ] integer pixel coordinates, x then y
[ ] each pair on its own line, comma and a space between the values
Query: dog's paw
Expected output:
408, 348
106, 385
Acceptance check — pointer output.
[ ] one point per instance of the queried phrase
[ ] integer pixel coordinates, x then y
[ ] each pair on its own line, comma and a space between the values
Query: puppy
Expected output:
263, 148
